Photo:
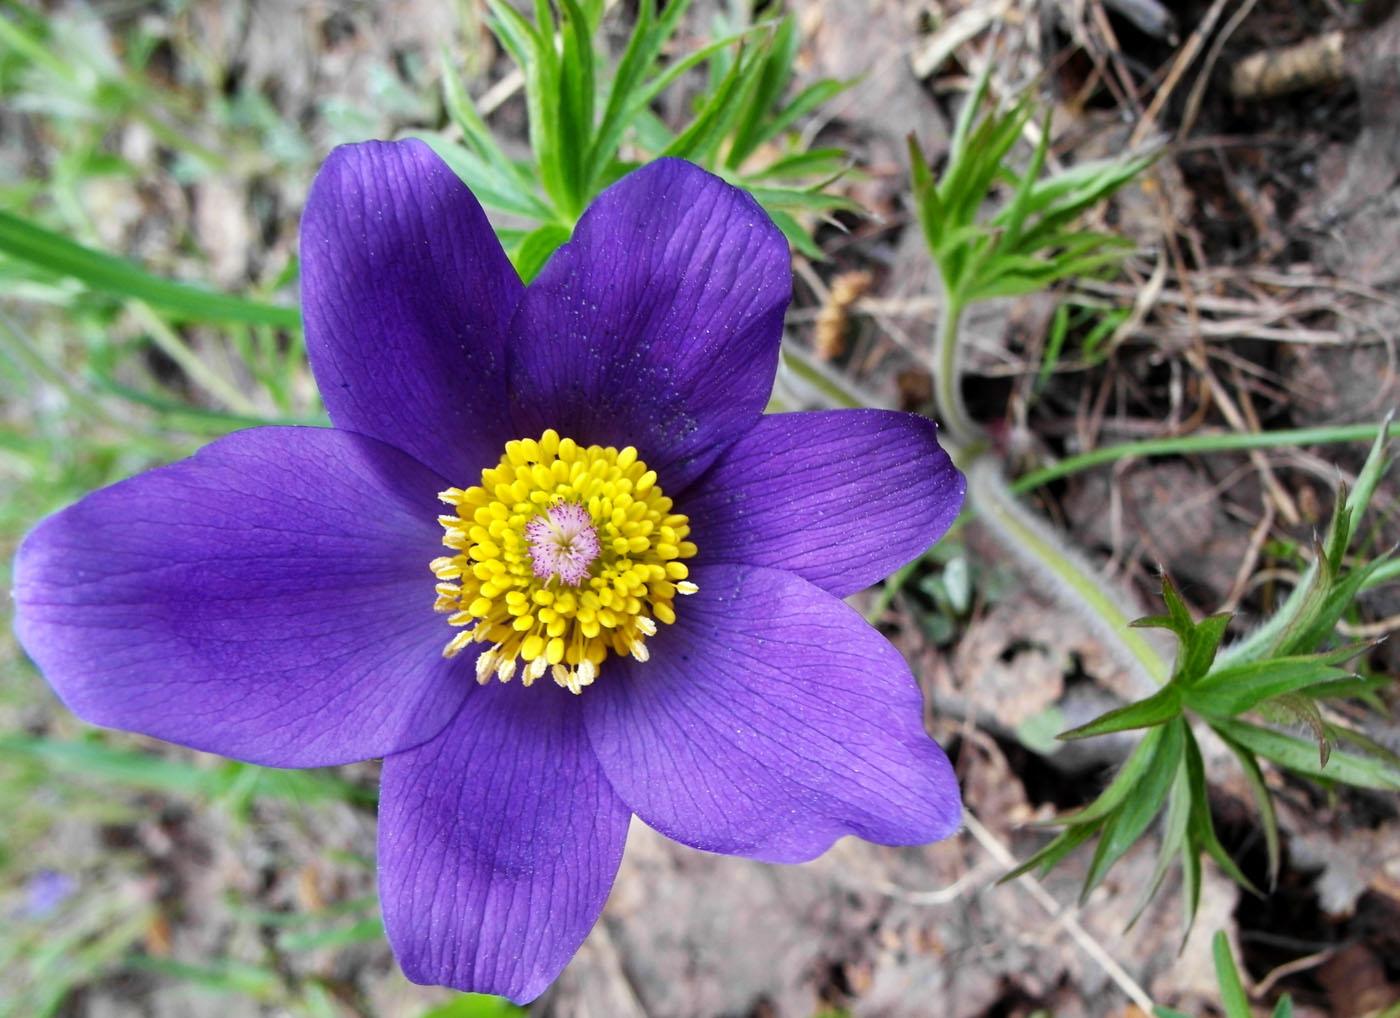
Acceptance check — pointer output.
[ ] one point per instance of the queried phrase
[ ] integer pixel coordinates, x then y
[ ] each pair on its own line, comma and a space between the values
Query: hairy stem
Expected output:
1048, 557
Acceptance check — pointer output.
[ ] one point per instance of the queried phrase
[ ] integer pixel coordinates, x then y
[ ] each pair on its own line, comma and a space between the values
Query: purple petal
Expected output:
498, 843
268, 599
770, 721
841, 498
406, 295
658, 325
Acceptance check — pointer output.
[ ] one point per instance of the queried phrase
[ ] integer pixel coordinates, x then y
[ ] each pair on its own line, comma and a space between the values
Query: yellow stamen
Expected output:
562, 555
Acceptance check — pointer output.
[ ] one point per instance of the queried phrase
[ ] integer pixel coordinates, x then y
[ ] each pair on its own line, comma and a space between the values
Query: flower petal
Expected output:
268, 599
406, 295
658, 324
498, 843
770, 721
841, 498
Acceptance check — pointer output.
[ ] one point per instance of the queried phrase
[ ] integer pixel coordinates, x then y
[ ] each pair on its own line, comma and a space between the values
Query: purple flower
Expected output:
45, 891
585, 467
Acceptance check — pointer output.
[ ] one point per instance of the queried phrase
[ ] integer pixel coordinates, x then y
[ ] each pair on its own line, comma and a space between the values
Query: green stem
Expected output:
1184, 444
1046, 554
947, 377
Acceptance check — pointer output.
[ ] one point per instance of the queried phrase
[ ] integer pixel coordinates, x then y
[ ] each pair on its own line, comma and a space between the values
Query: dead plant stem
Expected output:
1064, 915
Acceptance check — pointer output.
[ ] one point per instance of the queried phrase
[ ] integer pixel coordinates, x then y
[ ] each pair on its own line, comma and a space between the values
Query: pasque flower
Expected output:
552, 563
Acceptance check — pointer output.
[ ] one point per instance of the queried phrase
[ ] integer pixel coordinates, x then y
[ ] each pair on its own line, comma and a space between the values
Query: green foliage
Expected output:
1233, 999
582, 113
60, 258
1034, 239
1098, 325
475, 1005
1282, 671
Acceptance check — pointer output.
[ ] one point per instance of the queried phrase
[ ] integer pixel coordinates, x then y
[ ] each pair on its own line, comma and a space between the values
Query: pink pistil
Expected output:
563, 543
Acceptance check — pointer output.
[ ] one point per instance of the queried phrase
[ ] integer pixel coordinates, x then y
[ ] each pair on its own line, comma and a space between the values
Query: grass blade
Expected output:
120, 278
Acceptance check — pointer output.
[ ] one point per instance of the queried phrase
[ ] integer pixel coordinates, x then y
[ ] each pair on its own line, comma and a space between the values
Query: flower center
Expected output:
562, 555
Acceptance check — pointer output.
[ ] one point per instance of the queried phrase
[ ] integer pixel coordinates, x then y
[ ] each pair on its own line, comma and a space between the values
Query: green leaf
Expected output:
1159, 708
536, 248
494, 173
1201, 828
534, 53
1371, 472
699, 140
1190, 884
633, 110
1268, 816
363, 931
1298, 709
970, 106
930, 208
1019, 208
1050, 856
773, 70
1301, 757
1227, 692
491, 187
222, 975
827, 163
576, 100
791, 198
93, 760
643, 47
476, 1005
1232, 995
1175, 828
796, 235
816, 94
120, 278
1127, 778
1131, 818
